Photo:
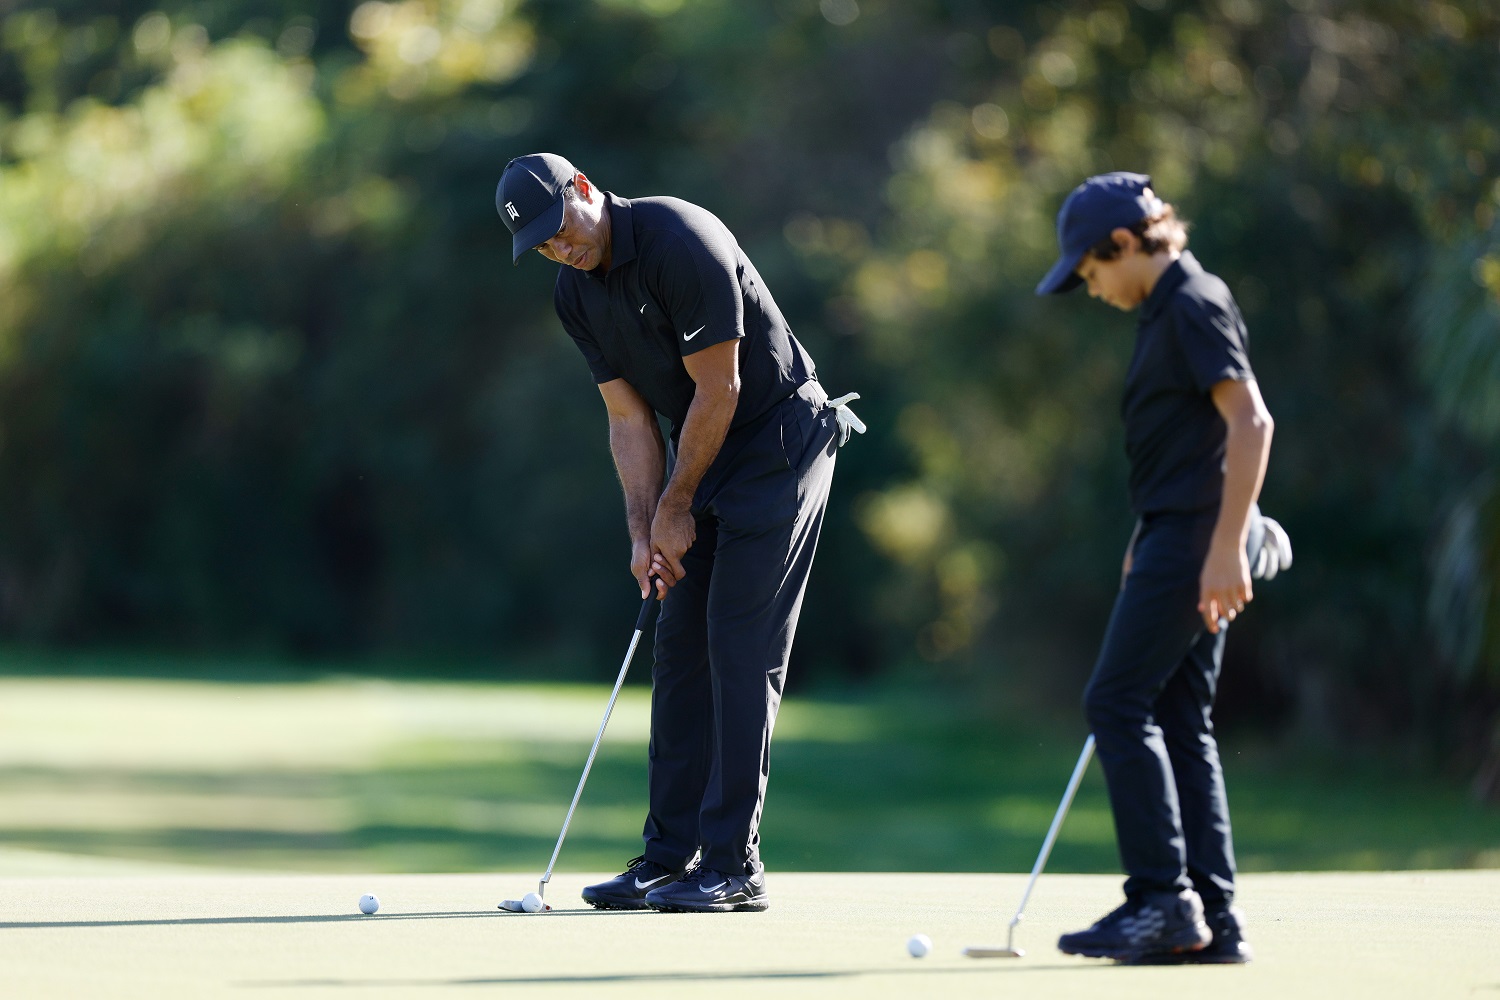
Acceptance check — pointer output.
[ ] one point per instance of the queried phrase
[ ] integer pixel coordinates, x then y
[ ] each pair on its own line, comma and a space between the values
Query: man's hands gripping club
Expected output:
673, 532
661, 523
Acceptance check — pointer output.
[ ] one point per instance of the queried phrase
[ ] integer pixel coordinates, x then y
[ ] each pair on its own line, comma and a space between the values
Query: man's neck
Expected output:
607, 225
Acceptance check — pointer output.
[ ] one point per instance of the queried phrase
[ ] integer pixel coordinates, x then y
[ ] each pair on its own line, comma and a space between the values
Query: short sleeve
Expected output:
574, 323
1213, 339
697, 283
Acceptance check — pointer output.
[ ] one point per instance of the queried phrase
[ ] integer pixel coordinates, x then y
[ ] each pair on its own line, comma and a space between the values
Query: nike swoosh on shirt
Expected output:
641, 885
643, 308
712, 888
690, 336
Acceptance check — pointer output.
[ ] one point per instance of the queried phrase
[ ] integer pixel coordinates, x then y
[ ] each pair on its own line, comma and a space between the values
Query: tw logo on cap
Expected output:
530, 198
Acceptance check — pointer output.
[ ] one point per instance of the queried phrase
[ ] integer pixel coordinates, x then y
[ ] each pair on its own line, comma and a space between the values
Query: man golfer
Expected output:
1198, 436
723, 515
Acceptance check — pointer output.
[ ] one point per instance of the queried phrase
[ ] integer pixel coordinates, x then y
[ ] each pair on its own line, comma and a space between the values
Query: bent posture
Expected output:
723, 514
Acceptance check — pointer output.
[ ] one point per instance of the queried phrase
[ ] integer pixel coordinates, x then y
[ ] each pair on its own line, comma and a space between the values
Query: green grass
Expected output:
357, 775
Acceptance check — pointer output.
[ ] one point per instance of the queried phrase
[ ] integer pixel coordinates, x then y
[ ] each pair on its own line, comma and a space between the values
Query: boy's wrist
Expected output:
1225, 538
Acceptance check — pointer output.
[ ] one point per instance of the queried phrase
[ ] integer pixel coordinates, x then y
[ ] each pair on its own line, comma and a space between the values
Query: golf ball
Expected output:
368, 903
919, 945
532, 903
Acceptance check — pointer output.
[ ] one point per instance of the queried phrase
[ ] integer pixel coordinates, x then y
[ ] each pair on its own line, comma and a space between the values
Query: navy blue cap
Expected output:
530, 199
1096, 208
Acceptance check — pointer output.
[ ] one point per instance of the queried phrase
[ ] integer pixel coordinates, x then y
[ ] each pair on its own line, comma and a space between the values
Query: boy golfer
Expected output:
1198, 435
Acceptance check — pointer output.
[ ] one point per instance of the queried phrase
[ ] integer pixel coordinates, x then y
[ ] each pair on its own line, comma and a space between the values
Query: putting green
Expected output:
1406, 935
346, 775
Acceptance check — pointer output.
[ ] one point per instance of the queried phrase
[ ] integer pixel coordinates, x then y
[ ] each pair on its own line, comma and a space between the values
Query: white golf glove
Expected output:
849, 424
1275, 552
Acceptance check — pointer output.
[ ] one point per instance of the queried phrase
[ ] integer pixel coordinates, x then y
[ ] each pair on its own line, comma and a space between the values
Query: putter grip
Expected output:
644, 617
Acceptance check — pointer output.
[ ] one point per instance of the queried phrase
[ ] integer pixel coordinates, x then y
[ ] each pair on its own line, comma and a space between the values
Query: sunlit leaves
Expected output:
233, 122
417, 47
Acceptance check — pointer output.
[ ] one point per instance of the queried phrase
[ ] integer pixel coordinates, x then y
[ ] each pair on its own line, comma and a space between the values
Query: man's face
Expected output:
583, 240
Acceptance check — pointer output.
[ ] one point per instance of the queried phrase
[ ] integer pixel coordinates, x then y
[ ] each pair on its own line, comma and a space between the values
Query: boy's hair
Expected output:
1162, 231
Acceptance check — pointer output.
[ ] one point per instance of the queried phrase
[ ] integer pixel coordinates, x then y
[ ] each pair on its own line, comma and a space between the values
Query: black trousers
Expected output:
726, 630
1150, 705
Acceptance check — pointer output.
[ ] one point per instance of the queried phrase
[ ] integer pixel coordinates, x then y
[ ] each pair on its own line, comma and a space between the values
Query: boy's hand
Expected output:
1224, 585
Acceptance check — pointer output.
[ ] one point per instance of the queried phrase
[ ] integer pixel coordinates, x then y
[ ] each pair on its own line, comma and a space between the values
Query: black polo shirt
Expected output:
678, 282
1191, 336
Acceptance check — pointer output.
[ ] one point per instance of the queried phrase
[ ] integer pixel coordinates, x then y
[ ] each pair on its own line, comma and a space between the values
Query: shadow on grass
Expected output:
311, 918
669, 977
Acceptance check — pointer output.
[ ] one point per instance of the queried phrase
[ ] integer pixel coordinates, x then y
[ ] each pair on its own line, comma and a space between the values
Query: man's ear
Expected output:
584, 187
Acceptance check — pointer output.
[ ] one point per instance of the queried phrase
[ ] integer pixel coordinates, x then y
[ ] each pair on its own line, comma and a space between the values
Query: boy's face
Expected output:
1117, 282
1125, 281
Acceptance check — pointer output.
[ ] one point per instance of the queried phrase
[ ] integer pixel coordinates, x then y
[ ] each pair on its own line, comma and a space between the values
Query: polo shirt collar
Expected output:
621, 230
1183, 268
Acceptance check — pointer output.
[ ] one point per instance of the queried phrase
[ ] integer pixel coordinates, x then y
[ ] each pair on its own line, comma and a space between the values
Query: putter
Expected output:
641, 621
1010, 950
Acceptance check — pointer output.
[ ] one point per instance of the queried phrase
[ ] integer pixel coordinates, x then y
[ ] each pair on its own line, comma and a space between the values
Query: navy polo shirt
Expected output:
678, 282
1191, 336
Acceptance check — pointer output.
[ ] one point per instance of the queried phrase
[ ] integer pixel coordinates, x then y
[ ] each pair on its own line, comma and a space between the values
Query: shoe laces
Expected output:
697, 874
640, 865
1119, 913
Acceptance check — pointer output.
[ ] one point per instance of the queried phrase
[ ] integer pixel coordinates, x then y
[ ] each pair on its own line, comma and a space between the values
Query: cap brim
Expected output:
1062, 278
538, 230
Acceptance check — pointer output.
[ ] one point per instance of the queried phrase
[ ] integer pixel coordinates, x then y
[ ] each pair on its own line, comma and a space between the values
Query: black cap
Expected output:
530, 199
1096, 208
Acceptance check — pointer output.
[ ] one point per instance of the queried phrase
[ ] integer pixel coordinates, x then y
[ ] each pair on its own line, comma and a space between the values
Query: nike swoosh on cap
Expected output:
690, 336
712, 888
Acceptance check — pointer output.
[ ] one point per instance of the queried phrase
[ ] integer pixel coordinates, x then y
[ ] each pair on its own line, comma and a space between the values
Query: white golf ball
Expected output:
919, 945
532, 903
368, 903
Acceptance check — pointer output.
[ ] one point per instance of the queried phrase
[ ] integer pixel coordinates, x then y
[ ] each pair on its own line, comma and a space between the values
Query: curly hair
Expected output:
1162, 231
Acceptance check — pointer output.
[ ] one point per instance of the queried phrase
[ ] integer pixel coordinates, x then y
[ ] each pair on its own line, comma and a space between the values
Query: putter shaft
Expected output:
1010, 951
640, 626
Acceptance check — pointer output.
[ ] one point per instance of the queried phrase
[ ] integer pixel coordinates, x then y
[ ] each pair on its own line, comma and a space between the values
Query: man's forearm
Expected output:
702, 436
640, 462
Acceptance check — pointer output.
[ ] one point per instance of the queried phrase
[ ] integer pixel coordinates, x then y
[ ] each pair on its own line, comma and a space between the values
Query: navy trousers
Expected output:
725, 634
1150, 704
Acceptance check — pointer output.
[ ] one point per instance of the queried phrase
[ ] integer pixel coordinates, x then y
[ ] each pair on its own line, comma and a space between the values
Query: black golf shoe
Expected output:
627, 891
1228, 947
1152, 925
704, 890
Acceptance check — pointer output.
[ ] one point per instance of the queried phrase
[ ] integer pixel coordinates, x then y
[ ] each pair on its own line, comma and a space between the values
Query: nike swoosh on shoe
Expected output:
650, 882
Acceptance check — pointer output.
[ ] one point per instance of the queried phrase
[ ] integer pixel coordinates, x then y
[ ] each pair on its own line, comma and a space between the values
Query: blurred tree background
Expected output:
269, 382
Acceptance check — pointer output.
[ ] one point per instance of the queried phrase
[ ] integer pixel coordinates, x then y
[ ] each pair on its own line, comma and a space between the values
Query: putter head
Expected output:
516, 906
992, 951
